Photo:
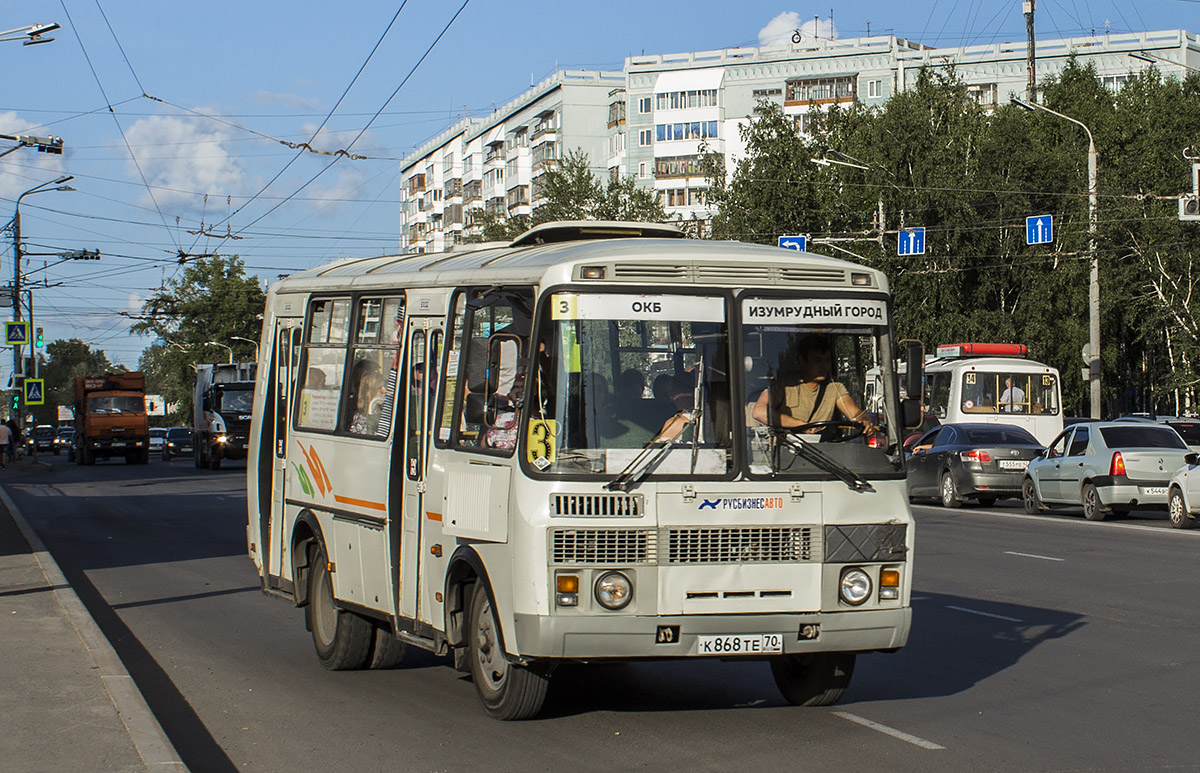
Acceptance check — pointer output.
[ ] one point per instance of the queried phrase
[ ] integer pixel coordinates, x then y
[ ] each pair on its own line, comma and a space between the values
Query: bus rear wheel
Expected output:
342, 639
507, 690
814, 679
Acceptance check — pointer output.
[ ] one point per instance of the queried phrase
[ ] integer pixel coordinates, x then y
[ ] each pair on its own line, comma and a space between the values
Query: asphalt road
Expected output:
1039, 643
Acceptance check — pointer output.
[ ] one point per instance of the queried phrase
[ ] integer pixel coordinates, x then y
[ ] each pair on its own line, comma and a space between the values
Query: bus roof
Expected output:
644, 261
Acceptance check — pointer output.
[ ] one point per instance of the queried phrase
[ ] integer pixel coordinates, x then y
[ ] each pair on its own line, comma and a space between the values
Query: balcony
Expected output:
453, 188
416, 184
518, 197
473, 191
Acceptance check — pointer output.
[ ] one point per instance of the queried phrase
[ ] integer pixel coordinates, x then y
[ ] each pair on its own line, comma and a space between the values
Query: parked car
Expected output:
43, 437
1183, 493
1107, 467
178, 443
158, 438
981, 461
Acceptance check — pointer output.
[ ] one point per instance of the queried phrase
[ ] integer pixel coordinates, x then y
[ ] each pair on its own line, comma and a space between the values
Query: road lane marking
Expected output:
1033, 555
986, 614
893, 732
1062, 517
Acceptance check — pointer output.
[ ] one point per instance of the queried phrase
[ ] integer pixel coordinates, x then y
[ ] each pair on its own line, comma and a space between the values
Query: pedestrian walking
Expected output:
6, 439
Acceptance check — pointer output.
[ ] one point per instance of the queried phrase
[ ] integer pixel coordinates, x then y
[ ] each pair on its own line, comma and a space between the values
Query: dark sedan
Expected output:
178, 443
986, 462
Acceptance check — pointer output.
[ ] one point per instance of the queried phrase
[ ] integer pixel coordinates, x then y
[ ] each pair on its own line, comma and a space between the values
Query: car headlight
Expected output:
222, 439
614, 590
855, 587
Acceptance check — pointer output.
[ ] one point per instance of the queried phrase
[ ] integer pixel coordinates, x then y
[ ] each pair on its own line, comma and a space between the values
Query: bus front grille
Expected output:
766, 544
598, 505
605, 546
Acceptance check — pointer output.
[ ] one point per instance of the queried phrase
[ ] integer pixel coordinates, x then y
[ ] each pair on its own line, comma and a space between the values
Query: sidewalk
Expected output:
68, 703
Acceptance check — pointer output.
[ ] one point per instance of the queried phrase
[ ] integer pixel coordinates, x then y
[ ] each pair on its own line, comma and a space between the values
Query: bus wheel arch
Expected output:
306, 535
464, 571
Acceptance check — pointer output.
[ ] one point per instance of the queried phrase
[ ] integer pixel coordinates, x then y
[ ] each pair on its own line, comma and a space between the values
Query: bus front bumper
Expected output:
617, 636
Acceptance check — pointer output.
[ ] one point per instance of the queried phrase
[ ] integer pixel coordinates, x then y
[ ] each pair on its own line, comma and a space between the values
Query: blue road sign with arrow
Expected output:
797, 243
1039, 229
912, 241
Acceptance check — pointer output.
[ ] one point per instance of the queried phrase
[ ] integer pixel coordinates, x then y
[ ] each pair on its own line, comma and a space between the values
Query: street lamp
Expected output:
218, 343
249, 341
1142, 56
16, 223
52, 145
1094, 287
33, 32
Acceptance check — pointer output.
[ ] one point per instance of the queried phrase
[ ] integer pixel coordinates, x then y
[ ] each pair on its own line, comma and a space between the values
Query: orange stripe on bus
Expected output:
359, 502
433, 516
315, 470
321, 468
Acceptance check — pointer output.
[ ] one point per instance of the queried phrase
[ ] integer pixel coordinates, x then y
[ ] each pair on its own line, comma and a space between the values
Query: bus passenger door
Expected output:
424, 345
287, 355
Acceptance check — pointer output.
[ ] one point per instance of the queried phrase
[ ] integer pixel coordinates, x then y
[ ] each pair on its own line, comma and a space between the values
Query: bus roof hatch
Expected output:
574, 230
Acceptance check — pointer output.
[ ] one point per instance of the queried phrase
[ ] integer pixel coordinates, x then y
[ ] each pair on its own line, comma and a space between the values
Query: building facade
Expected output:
652, 119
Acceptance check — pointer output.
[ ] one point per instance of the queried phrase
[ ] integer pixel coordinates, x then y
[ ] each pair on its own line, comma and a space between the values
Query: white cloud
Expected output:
133, 304
24, 168
779, 30
185, 158
276, 99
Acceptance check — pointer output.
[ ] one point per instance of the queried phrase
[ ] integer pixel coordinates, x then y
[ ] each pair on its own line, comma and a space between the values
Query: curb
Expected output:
151, 743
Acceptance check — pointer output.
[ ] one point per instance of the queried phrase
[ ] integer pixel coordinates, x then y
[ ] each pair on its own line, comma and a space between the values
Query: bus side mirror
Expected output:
1192, 459
914, 366
911, 408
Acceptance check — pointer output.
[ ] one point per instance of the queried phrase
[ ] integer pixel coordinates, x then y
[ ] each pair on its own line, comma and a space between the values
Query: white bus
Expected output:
472, 452
995, 384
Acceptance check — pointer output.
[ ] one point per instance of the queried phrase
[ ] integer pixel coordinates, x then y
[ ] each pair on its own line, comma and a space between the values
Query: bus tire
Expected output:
950, 497
508, 691
387, 650
813, 679
342, 639
1093, 508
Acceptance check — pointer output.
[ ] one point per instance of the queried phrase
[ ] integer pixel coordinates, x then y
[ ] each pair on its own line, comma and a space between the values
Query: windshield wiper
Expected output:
651, 454
818, 458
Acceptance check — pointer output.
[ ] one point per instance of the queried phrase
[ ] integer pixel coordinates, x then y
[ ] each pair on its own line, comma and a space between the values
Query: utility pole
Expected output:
1028, 6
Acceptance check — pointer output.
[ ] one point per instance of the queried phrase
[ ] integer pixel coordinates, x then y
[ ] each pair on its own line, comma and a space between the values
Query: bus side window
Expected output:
324, 363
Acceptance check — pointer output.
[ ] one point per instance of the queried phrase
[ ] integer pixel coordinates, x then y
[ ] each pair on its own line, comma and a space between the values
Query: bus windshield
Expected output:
809, 381
613, 369
1004, 391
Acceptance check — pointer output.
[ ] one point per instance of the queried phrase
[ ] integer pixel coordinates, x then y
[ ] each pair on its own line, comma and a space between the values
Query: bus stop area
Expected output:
71, 704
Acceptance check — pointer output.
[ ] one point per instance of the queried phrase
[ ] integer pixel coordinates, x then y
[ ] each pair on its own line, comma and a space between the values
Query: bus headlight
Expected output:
855, 587
614, 590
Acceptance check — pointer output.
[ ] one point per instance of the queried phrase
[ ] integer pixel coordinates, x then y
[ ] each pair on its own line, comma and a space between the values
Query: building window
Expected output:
694, 130
616, 144
642, 170
1113, 82
874, 88
616, 113
681, 100
801, 92
984, 94
644, 105
468, 163
645, 137
764, 93
677, 166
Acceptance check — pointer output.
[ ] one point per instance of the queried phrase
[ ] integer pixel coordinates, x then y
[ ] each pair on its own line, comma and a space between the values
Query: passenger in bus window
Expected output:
368, 398
1012, 399
806, 394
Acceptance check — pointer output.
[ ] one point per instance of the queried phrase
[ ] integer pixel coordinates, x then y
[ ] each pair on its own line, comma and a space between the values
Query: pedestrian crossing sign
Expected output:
16, 333
35, 391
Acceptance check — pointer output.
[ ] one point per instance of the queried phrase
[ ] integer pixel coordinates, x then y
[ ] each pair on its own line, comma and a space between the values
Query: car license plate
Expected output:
1154, 491
743, 644
1013, 464
119, 444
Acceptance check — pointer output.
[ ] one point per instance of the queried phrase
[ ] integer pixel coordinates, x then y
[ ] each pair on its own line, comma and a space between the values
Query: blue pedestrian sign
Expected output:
1039, 229
797, 243
16, 333
35, 391
912, 241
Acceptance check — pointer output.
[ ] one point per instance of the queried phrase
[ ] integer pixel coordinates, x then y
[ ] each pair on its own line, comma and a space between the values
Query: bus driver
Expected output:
806, 395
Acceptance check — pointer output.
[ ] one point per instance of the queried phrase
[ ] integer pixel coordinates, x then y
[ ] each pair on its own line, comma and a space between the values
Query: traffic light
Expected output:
16, 403
39, 341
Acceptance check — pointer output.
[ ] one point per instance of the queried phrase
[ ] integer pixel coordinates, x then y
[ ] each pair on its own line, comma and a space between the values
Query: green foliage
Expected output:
211, 301
572, 192
934, 158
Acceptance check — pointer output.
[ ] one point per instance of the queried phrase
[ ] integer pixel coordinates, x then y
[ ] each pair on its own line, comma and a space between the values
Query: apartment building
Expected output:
652, 119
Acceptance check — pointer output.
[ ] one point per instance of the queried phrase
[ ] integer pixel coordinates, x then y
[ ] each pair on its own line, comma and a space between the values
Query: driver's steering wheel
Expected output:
848, 430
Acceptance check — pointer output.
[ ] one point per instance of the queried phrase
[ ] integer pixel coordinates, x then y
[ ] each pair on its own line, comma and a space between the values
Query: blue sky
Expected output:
229, 83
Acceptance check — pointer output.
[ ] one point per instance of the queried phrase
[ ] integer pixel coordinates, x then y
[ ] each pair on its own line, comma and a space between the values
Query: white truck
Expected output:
222, 405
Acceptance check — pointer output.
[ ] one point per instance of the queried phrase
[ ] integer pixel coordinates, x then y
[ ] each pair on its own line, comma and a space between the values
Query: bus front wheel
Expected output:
342, 639
813, 679
507, 690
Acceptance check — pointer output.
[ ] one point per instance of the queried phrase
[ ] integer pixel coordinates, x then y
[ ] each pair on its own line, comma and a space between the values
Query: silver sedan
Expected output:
1107, 467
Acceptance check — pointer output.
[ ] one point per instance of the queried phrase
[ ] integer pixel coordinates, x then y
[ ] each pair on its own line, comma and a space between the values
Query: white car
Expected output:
158, 436
1183, 497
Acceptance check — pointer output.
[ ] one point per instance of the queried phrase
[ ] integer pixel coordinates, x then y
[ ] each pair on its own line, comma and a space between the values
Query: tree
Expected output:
570, 191
212, 301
